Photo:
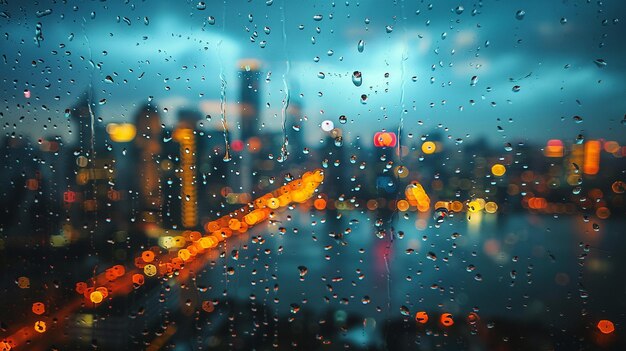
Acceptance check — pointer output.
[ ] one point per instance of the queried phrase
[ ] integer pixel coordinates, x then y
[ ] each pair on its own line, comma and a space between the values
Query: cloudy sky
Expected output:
174, 51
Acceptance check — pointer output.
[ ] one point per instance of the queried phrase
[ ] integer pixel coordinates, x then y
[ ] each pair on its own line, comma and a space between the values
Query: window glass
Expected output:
286, 174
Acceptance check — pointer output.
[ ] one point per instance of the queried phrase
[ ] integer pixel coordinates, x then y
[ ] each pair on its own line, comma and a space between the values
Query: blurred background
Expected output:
473, 157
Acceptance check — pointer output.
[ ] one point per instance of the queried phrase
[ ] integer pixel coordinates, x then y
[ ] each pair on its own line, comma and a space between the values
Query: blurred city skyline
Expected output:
176, 55
282, 174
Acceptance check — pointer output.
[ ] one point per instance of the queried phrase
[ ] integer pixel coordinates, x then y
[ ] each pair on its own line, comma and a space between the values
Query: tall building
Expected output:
187, 138
93, 163
249, 98
245, 170
147, 163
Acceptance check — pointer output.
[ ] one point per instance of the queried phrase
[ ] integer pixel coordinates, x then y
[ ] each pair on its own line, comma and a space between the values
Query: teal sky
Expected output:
176, 56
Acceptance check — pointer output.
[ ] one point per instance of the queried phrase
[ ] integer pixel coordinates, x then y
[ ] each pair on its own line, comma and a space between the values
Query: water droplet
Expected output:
108, 79
516, 88
440, 214
211, 20
303, 271
227, 157
600, 63
364, 99
360, 46
318, 17
201, 5
321, 75
404, 310
577, 119
563, 20
357, 78
473, 81
38, 33
389, 29
520, 14
580, 139
43, 13
459, 10
339, 141
343, 119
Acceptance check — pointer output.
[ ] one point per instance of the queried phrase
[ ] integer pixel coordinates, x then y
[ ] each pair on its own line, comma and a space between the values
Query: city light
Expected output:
385, 139
498, 170
591, 165
121, 133
428, 147
554, 148
186, 138
309, 175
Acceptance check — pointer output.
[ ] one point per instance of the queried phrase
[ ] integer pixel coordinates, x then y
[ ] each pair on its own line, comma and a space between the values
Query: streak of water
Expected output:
404, 57
284, 152
223, 85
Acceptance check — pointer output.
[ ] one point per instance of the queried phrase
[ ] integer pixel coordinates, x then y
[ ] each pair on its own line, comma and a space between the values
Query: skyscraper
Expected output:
146, 160
250, 120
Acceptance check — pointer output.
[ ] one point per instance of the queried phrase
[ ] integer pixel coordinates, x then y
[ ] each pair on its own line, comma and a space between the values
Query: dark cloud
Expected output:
174, 52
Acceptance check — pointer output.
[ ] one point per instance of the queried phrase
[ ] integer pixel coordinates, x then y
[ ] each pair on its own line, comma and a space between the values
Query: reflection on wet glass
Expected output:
162, 189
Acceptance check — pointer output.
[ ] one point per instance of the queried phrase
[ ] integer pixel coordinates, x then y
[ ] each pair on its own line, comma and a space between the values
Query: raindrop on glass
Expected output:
357, 78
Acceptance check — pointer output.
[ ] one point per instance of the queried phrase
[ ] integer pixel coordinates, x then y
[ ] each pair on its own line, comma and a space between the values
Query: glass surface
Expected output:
316, 175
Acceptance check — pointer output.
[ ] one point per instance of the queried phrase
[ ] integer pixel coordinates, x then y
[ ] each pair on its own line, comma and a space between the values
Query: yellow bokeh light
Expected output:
273, 203
150, 270
96, 297
474, 206
184, 254
429, 147
498, 170
402, 205
456, 206
40, 326
491, 207
121, 133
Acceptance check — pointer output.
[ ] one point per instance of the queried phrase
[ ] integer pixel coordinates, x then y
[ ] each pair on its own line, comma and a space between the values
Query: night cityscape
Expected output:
252, 201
